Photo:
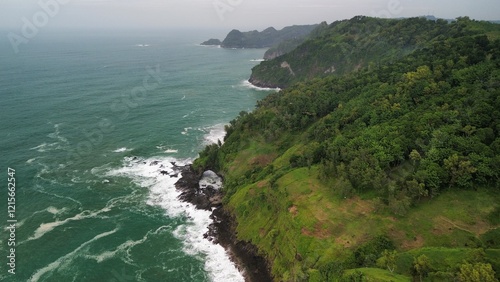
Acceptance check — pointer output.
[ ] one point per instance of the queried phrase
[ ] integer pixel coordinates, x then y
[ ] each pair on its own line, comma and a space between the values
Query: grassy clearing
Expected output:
300, 223
377, 274
453, 219
257, 154
441, 259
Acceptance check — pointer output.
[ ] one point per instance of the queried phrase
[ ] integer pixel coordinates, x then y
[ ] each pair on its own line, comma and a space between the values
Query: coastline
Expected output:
244, 255
264, 85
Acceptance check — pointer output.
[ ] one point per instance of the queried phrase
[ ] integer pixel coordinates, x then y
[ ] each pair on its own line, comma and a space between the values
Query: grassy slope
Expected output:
304, 223
377, 274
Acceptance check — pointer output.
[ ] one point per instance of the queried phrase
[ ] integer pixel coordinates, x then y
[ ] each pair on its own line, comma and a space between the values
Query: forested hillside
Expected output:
263, 39
388, 169
349, 45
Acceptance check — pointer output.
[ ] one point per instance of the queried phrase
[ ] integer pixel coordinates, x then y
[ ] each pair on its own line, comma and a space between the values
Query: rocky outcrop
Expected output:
286, 65
205, 196
244, 254
264, 84
205, 193
212, 42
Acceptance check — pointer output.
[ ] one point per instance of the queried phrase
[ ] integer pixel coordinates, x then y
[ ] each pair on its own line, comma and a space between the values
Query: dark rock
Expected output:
223, 229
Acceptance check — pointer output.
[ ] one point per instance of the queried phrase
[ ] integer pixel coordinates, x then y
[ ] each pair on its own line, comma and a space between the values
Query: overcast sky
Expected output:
225, 14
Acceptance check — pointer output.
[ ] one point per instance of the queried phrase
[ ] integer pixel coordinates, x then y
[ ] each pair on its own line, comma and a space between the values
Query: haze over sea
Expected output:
88, 121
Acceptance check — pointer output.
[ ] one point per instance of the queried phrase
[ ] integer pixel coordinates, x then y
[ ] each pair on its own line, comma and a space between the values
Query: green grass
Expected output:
493, 257
441, 259
453, 219
303, 217
377, 274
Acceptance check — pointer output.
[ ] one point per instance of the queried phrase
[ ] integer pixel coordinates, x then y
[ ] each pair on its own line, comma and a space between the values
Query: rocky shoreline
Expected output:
223, 229
262, 84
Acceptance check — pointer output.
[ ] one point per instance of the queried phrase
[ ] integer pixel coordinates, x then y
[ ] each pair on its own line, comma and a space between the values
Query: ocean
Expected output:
88, 122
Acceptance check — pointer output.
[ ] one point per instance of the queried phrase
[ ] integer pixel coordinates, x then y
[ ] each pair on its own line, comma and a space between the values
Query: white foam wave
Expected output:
247, 84
44, 147
63, 261
57, 134
217, 263
214, 134
121, 150
50, 209
147, 173
167, 149
257, 60
61, 142
54, 210
124, 248
186, 130
44, 228
60, 197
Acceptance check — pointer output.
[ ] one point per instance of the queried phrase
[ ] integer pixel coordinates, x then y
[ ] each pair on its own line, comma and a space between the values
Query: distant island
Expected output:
291, 36
212, 42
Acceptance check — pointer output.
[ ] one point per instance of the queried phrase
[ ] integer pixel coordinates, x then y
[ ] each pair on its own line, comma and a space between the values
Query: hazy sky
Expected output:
224, 14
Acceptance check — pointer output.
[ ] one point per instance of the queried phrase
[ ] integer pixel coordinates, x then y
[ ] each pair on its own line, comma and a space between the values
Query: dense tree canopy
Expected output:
403, 131
407, 130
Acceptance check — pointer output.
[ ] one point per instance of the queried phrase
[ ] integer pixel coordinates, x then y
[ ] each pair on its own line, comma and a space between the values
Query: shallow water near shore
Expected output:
90, 122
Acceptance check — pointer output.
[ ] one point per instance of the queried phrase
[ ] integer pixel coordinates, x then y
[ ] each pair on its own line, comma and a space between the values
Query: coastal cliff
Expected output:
263, 39
372, 169
208, 196
349, 45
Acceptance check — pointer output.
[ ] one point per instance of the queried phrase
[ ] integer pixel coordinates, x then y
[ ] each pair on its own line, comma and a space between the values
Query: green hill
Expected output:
263, 39
387, 172
349, 45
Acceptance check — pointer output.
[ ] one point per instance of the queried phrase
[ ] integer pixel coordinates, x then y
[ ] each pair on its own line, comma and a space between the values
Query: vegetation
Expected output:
266, 38
388, 171
349, 45
289, 45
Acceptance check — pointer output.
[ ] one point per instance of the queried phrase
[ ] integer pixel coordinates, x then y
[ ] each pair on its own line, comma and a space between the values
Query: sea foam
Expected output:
66, 259
247, 84
214, 134
148, 174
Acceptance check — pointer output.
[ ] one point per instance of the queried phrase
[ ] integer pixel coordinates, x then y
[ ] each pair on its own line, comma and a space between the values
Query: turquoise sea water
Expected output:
88, 121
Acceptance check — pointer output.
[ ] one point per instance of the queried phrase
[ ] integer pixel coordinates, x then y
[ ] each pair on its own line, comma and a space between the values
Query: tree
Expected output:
416, 190
422, 266
388, 260
332, 271
478, 272
415, 156
460, 170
